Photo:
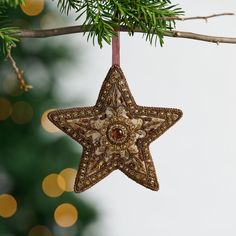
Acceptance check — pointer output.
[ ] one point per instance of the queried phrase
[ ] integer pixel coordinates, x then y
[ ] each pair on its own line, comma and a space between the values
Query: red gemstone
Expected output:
117, 133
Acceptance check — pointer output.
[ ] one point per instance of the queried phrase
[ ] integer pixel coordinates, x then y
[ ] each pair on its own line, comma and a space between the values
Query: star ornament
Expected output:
115, 133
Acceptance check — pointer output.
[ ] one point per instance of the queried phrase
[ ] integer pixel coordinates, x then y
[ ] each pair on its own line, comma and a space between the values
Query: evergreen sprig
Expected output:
105, 17
7, 40
11, 3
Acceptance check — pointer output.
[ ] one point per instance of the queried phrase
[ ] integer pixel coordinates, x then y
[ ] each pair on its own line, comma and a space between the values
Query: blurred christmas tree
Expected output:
36, 165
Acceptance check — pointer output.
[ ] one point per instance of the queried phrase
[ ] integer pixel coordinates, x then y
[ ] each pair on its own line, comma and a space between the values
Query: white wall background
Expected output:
196, 159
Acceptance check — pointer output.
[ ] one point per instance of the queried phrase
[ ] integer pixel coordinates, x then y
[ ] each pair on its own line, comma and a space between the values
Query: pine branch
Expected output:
82, 29
10, 35
104, 17
168, 33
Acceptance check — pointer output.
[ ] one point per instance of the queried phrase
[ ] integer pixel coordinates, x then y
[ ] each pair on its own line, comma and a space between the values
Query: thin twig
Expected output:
200, 37
19, 73
197, 17
81, 29
194, 36
25, 33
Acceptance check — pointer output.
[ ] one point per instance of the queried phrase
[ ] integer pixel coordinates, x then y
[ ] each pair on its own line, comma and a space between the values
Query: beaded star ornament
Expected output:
115, 133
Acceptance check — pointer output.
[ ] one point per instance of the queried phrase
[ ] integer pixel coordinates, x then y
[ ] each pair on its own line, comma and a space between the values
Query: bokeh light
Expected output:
53, 185
40, 230
22, 112
8, 205
69, 175
51, 20
21, 23
5, 109
11, 85
48, 125
32, 7
66, 215
6, 183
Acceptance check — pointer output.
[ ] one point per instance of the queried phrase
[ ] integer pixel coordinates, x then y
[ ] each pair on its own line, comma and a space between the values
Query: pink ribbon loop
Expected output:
116, 49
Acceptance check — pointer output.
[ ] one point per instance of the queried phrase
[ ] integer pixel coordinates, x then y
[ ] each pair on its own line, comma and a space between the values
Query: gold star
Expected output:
115, 133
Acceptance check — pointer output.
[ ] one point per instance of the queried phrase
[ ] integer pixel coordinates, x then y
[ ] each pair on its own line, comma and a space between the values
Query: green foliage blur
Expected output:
27, 152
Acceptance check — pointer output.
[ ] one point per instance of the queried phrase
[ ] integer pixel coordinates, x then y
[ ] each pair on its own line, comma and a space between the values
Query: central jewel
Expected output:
117, 134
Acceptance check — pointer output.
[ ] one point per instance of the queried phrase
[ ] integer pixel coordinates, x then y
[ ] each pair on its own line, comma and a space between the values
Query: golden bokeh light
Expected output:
69, 175
8, 205
22, 112
66, 215
47, 125
5, 109
53, 185
40, 230
32, 7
